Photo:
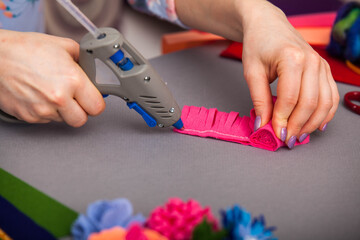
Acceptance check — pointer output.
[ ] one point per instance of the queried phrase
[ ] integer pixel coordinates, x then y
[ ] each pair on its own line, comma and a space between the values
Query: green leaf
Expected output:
204, 231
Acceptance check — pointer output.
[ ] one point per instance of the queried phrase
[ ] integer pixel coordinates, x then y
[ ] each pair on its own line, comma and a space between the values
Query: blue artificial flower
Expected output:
102, 215
240, 227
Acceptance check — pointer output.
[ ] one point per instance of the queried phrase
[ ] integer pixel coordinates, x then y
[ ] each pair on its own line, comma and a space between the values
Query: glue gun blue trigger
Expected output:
179, 124
150, 121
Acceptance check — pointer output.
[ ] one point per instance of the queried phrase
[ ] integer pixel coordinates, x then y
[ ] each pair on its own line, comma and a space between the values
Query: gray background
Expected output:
310, 192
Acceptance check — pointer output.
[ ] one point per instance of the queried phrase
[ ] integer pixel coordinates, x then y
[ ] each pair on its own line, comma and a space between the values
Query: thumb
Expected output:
260, 92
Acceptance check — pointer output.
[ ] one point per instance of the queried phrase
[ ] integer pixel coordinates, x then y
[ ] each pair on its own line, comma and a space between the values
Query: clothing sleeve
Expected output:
20, 15
163, 9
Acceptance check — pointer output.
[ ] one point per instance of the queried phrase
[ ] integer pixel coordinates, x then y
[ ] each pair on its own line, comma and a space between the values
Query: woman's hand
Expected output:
40, 80
307, 94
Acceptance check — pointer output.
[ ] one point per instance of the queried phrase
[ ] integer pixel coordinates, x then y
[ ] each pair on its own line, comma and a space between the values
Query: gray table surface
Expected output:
310, 192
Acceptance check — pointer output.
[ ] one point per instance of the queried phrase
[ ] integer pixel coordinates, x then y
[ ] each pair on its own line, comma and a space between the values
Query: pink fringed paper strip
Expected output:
203, 122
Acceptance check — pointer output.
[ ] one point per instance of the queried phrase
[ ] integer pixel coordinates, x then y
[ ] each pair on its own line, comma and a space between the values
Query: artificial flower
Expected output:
204, 231
176, 220
104, 215
135, 232
115, 233
240, 227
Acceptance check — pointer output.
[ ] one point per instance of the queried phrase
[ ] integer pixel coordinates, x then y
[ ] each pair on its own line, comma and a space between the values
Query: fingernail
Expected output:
324, 127
283, 134
291, 142
303, 137
257, 123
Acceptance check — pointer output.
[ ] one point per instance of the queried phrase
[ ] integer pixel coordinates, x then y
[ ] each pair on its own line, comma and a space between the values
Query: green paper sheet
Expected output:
42, 209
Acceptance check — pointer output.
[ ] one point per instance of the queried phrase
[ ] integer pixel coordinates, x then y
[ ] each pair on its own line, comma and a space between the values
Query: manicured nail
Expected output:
283, 134
257, 123
324, 127
291, 142
303, 137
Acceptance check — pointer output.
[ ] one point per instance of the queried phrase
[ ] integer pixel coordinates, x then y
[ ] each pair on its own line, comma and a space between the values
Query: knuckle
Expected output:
294, 54
250, 75
327, 104
71, 42
336, 98
79, 122
58, 119
74, 79
58, 98
327, 66
314, 58
259, 103
279, 123
43, 111
18, 113
310, 103
279, 119
311, 127
331, 116
99, 108
30, 119
290, 100
294, 126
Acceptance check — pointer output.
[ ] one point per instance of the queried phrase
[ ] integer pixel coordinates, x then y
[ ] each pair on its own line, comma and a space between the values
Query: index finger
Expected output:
288, 90
88, 96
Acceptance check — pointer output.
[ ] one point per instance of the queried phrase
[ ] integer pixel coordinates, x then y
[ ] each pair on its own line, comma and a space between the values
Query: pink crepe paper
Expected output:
325, 19
177, 219
203, 122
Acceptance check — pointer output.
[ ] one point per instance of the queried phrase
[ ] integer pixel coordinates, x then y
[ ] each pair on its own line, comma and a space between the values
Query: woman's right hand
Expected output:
40, 80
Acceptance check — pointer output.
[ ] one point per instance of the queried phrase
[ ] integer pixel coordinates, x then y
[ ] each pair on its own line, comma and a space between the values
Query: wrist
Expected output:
253, 12
218, 17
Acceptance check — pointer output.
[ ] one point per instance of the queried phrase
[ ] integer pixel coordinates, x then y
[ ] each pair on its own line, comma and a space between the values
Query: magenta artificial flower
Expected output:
176, 220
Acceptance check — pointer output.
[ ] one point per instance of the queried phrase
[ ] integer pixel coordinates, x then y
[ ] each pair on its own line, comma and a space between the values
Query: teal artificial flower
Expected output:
237, 222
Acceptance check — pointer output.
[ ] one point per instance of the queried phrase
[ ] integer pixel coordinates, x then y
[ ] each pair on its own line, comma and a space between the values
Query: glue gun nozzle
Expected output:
179, 124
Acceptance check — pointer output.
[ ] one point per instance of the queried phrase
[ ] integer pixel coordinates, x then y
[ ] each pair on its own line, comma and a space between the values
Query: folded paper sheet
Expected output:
39, 211
323, 19
203, 122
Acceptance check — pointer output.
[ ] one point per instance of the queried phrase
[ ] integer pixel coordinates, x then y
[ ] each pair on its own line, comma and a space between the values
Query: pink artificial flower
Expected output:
177, 219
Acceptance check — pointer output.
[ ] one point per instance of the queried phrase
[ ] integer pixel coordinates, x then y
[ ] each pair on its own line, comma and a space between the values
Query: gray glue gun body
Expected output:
140, 85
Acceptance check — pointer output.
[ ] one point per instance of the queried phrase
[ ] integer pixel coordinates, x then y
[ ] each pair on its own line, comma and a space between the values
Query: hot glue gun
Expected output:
139, 84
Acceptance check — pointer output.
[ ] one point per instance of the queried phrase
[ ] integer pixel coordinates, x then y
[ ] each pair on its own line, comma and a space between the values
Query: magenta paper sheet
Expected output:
203, 122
